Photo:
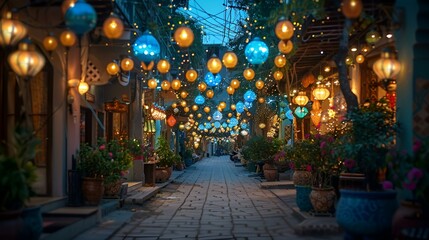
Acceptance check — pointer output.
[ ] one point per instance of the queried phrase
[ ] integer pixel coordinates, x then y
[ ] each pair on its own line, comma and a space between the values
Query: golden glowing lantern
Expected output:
26, 61
222, 105
147, 67
174, 105
209, 118
190, 115
284, 29
229, 115
280, 61
285, 47
230, 90
186, 109
151, 83
113, 27
327, 68
181, 127
163, 66
360, 58
112, 68
248, 74
259, 84
278, 75
68, 38
386, 67
214, 65
183, 103
301, 99
235, 83
233, 107
315, 105
11, 31
184, 36
210, 93
202, 86
127, 64
320, 92
351, 8
83, 87
315, 116
191, 75
199, 115
262, 125
176, 84
183, 94
261, 100
50, 43
230, 59
165, 85
207, 109
194, 107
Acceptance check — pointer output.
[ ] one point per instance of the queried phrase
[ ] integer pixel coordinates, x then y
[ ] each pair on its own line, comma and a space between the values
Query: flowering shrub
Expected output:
300, 155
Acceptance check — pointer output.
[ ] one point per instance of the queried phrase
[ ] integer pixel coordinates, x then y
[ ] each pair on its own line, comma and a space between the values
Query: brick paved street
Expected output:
213, 199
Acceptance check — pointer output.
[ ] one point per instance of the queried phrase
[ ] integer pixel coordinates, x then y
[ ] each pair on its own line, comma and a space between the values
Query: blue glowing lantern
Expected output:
224, 125
146, 48
81, 17
239, 107
248, 104
249, 96
233, 121
256, 51
201, 127
199, 100
212, 80
217, 124
301, 112
243, 125
217, 116
289, 114
208, 125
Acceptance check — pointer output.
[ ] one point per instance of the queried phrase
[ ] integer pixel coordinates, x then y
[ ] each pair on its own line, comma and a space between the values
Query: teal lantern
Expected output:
243, 125
201, 127
199, 100
217, 124
212, 80
80, 17
146, 48
224, 125
217, 116
249, 96
301, 112
207, 125
233, 122
239, 107
256, 51
289, 114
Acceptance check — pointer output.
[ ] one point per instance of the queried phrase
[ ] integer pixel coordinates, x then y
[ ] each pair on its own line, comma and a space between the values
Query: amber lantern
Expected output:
248, 74
207, 109
320, 92
176, 84
202, 86
233, 107
163, 66
360, 58
280, 61
262, 125
165, 85
127, 64
112, 68
50, 43
191, 75
147, 67
259, 84
214, 65
235, 83
261, 100
186, 109
284, 29
12, 31
230, 59
351, 8
222, 105
194, 107
83, 87
26, 61
199, 115
278, 75
301, 99
183, 103
183, 94
113, 27
174, 105
68, 38
210, 93
184, 36
151, 83
285, 47
387, 67
230, 90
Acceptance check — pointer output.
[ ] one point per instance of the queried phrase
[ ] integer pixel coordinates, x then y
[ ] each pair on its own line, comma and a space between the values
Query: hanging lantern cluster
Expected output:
26, 61
301, 99
320, 92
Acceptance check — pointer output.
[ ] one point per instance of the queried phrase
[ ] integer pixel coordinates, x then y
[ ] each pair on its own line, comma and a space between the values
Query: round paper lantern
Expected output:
248, 104
176, 84
259, 84
212, 80
248, 74
186, 109
26, 61
280, 61
206, 109
202, 86
151, 83
199, 115
261, 100
214, 65
230, 59
301, 112
256, 51
191, 75
146, 48
217, 116
113, 27
67, 38
235, 83
195, 108
11, 31
174, 105
127, 64
163, 66
360, 58
285, 47
229, 115
217, 124
278, 75
372, 37
320, 92
183, 94
80, 17
83, 87
351, 8
230, 90
112, 68
284, 29
199, 100
232, 107
249, 96
222, 105
239, 107
184, 36
386, 67
165, 85
301, 99
183, 103
50, 43
209, 94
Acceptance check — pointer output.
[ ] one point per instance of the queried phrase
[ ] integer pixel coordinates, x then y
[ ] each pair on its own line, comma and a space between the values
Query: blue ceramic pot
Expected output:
303, 198
366, 213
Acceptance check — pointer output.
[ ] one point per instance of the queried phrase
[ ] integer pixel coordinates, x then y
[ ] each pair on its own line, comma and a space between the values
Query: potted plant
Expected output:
188, 157
165, 158
300, 156
135, 148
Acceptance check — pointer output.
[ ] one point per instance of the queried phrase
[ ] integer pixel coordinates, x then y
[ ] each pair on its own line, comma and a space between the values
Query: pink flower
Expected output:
308, 168
415, 174
110, 154
102, 147
410, 186
323, 144
387, 185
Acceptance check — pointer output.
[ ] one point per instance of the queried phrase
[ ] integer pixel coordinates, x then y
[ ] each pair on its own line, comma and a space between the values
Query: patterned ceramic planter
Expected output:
301, 177
322, 199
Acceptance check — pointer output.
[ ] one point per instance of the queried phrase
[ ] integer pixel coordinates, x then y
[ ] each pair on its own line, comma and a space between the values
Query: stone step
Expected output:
285, 184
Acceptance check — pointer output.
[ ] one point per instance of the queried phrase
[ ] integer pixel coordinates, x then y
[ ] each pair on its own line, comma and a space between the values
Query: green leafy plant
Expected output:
165, 156
300, 155
259, 148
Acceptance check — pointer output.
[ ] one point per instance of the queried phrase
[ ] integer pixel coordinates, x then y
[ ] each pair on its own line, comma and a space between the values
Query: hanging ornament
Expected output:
80, 17
249, 96
202, 86
212, 80
214, 65
183, 94
360, 58
171, 121
256, 51
301, 112
239, 107
194, 108
217, 124
284, 29
146, 48
230, 90
83, 87
191, 75
259, 84
248, 104
316, 105
285, 47
199, 100
176, 84
151, 83
278, 75
113, 28
26, 61
222, 105
235, 83
112, 68
183, 103
206, 109
11, 31
307, 80
229, 59
289, 114
232, 107
351, 8
186, 109
372, 37
209, 94
147, 67
301, 99
184, 36
320, 92
261, 100
217, 116
280, 61
127, 64
50, 43
68, 38
248, 74
315, 116
165, 85
163, 66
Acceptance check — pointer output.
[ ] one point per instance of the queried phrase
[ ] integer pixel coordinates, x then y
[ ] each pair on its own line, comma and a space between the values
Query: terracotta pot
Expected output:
270, 173
11, 224
301, 177
112, 189
322, 199
161, 174
92, 189
407, 219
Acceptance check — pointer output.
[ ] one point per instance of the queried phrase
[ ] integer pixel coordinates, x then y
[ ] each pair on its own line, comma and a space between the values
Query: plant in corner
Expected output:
166, 158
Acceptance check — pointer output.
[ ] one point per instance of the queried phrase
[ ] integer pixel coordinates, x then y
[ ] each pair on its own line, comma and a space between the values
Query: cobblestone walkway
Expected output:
213, 199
